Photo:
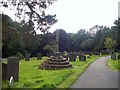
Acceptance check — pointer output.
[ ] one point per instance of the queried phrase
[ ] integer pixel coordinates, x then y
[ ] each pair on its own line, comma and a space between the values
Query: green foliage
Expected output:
49, 48
110, 43
35, 12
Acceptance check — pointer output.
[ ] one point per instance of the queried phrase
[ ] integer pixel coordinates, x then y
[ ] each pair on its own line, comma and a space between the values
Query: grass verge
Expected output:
114, 64
32, 77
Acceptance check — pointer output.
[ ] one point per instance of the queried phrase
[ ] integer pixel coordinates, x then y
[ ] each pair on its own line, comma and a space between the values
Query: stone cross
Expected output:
57, 41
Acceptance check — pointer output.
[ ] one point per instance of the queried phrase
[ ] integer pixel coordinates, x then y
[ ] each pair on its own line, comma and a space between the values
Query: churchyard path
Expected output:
97, 75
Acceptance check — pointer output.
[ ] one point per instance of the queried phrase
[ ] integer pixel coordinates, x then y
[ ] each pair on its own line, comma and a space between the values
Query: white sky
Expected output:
73, 15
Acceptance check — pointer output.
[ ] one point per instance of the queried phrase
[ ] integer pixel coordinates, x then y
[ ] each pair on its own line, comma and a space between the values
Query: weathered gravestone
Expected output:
65, 56
89, 56
39, 56
50, 54
82, 57
13, 68
19, 55
4, 71
96, 53
118, 56
113, 56
27, 56
72, 57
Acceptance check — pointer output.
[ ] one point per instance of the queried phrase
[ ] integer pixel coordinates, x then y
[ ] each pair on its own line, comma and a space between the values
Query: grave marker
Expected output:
27, 56
72, 57
113, 56
13, 68
39, 56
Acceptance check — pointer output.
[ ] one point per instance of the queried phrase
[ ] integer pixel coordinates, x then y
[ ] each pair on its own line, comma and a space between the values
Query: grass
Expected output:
114, 64
32, 77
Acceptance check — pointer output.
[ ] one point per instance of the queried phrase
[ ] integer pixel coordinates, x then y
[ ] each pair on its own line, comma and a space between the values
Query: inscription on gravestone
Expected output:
13, 68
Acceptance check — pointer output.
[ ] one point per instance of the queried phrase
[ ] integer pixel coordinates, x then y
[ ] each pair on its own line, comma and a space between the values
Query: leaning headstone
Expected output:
113, 56
72, 57
13, 68
118, 56
39, 56
27, 56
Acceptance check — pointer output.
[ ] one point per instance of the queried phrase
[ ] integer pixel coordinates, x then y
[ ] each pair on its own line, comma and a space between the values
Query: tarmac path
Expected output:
97, 75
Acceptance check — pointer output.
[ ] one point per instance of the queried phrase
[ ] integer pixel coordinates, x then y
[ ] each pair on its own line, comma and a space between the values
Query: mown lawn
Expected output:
114, 64
32, 77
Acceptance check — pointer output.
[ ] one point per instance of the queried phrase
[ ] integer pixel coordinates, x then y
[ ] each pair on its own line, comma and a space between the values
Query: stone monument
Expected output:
56, 61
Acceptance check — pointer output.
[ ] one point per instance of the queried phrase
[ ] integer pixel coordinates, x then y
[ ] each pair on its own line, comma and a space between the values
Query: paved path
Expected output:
97, 75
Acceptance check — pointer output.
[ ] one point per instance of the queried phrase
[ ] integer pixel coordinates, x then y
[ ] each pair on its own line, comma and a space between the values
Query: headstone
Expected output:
4, 71
19, 55
65, 56
13, 68
89, 56
39, 56
72, 57
27, 56
118, 56
82, 57
113, 56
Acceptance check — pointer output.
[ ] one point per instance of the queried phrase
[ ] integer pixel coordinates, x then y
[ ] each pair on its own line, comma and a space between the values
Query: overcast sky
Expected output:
73, 15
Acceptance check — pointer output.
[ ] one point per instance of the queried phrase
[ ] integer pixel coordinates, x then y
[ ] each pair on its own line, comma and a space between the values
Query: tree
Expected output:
110, 43
10, 36
32, 11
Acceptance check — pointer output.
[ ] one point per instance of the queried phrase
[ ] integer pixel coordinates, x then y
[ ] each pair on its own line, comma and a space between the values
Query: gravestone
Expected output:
113, 56
19, 55
65, 56
4, 71
39, 56
89, 56
118, 56
96, 53
13, 68
72, 57
27, 56
82, 57
50, 54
